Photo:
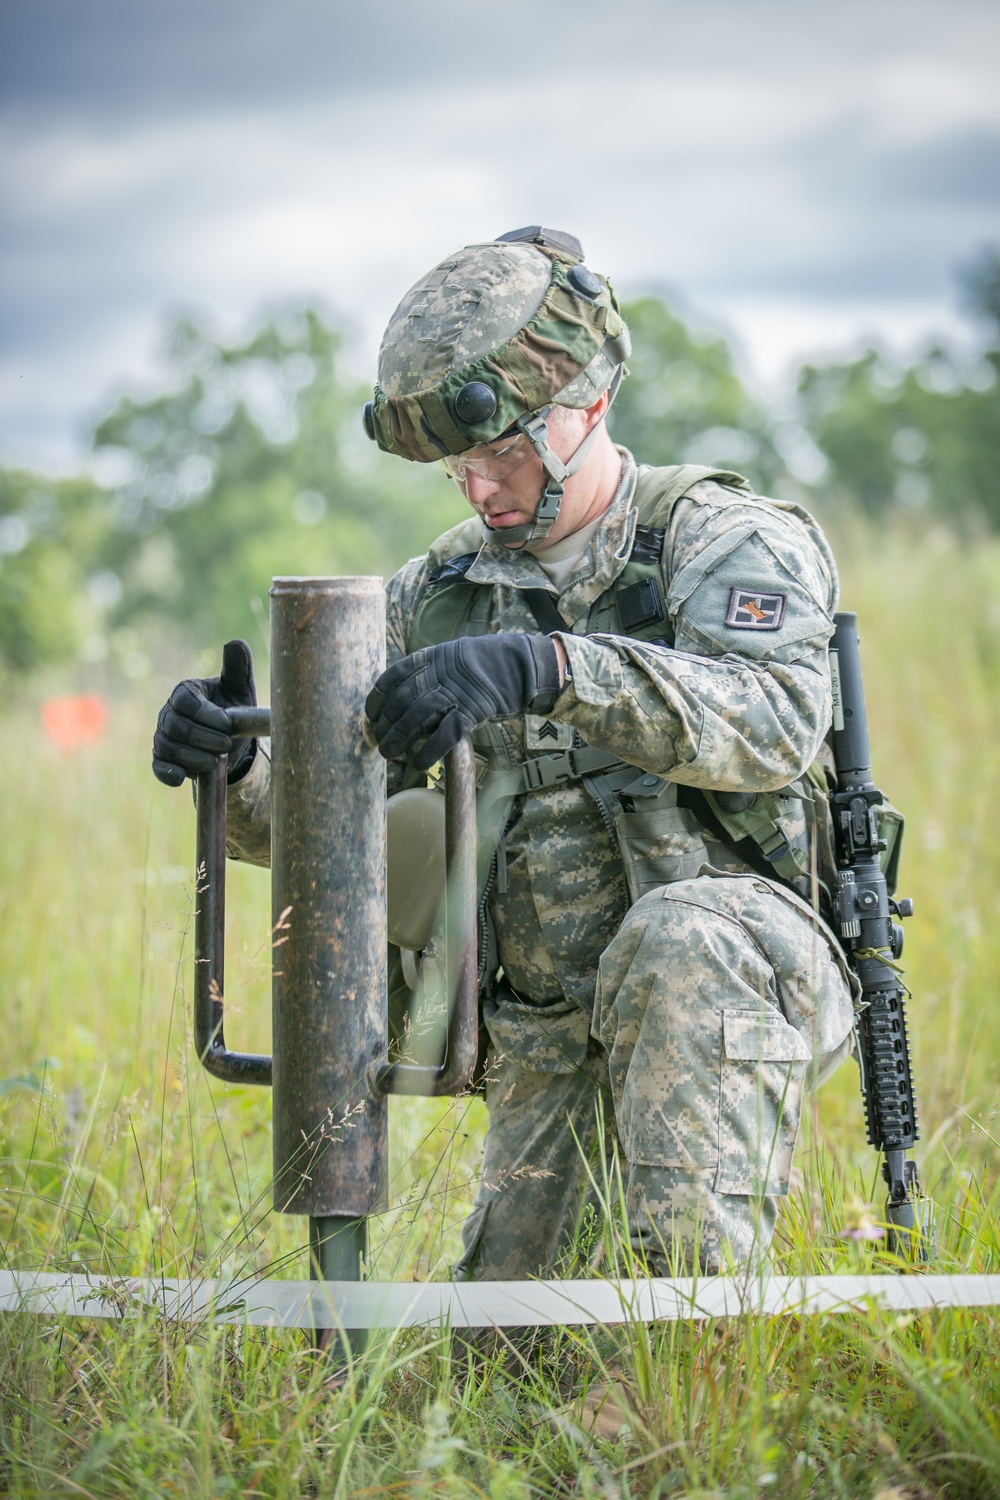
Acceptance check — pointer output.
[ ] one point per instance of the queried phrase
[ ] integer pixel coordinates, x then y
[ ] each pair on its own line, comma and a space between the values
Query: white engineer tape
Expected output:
486, 1304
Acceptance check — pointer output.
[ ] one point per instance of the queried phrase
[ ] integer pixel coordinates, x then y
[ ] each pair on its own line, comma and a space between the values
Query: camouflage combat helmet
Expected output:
486, 344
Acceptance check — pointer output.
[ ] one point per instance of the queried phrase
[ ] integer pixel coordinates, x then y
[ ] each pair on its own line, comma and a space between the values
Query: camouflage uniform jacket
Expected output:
733, 695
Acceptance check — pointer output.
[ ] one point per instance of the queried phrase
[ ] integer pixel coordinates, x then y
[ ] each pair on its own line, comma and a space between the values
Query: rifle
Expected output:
873, 941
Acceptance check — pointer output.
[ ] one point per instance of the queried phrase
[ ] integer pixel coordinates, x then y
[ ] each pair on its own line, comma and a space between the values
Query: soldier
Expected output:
640, 656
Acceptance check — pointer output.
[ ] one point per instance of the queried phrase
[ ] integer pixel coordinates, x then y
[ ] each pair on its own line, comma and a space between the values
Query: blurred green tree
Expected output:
253, 462
53, 586
923, 437
980, 288
685, 403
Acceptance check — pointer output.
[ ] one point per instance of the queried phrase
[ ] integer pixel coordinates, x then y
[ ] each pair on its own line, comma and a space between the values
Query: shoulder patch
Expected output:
751, 610
452, 571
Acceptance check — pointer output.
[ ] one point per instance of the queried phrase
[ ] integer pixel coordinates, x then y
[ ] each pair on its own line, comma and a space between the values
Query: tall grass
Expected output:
120, 1156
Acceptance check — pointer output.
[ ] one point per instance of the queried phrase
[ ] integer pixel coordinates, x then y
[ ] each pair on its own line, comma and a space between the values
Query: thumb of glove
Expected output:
237, 690
236, 685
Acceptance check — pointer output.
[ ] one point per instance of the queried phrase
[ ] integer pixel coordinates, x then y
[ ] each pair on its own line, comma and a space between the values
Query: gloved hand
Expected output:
193, 728
443, 692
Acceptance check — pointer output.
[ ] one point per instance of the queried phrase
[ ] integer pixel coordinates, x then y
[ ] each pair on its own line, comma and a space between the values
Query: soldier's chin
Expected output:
513, 534
510, 543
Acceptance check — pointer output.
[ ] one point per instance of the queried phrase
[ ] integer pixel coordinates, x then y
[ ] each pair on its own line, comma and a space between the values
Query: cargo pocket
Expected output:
763, 1066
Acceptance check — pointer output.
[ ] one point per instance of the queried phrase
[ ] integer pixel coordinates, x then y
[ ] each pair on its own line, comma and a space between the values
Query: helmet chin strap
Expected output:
536, 430
535, 426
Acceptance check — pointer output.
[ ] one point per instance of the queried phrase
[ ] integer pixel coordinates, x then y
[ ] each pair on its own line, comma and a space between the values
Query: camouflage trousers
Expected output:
720, 1000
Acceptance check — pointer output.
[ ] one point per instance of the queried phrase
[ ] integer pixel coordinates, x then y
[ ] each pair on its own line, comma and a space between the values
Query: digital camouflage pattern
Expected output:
504, 314
709, 1051
534, 1183
718, 1002
715, 993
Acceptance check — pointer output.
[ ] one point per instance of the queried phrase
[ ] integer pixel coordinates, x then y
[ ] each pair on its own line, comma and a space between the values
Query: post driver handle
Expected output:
456, 1072
210, 918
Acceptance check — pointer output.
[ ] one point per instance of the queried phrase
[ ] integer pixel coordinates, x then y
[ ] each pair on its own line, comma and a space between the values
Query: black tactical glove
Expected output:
193, 728
441, 693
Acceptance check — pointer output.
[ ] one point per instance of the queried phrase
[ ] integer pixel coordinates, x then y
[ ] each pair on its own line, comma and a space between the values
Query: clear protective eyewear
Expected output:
497, 460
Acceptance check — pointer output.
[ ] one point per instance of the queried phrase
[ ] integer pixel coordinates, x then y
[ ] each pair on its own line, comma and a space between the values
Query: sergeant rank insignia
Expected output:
542, 734
749, 610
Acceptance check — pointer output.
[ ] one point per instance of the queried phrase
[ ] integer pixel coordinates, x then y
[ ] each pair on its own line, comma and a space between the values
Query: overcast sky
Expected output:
802, 174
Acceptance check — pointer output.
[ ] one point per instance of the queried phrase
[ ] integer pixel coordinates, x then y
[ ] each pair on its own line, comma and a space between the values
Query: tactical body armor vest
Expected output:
664, 831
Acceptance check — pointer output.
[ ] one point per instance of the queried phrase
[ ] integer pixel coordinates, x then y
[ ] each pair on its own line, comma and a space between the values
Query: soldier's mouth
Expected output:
497, 519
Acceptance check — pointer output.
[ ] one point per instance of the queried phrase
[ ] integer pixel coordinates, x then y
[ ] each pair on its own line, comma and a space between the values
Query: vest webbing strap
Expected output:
543, 606
657, 492
544, 771
757, 835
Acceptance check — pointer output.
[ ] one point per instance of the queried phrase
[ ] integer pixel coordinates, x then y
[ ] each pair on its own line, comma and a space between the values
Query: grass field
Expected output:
120, 1156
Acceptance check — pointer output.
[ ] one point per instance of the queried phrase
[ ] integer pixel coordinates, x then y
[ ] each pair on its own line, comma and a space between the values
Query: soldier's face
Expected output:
508, 496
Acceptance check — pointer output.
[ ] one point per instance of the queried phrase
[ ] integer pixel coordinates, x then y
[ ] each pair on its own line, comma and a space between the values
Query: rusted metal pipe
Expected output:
328, 897
329, 1014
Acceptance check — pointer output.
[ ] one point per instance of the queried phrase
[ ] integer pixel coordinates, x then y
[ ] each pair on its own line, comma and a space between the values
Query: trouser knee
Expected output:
709, 1001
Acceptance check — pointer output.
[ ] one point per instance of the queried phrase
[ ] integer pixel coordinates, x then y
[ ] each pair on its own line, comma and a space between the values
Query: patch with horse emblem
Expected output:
750, 610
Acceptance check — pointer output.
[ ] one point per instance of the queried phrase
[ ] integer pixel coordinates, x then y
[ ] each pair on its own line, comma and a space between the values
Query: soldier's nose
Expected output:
478, 488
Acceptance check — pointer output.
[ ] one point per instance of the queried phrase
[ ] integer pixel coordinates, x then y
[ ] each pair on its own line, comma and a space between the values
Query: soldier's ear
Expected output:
598, 410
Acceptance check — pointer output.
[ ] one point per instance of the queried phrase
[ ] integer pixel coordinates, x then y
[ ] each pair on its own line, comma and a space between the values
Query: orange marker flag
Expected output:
76, 720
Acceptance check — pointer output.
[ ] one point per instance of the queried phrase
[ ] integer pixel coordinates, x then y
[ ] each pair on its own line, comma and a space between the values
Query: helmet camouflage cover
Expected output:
496, 331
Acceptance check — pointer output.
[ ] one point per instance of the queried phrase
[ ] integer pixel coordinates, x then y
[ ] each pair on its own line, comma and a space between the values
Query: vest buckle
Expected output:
544, 771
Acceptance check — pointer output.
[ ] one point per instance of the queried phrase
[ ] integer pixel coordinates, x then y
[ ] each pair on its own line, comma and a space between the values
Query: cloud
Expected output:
785, 167
960, 173
112, 57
